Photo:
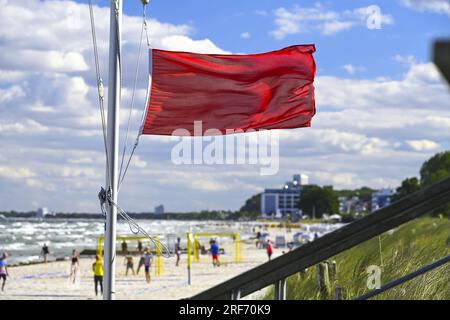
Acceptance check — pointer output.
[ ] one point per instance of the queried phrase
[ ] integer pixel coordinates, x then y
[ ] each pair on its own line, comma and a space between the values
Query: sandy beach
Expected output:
51, 280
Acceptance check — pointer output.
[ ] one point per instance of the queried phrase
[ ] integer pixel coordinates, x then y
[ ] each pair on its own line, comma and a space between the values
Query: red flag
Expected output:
271, 90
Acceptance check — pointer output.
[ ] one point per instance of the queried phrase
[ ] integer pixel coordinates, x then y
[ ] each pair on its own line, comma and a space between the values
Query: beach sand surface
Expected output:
51, 280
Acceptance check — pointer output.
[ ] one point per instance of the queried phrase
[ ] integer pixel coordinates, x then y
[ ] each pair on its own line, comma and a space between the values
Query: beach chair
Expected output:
280, 242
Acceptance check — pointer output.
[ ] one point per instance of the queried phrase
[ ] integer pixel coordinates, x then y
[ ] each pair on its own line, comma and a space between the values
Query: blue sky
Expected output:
382, 106
224, 21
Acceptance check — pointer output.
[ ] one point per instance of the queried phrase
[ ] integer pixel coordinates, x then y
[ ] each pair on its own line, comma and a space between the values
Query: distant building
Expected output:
300, 179
354, 204
382, 198
41, 212
280, 202
344, 205
159, 209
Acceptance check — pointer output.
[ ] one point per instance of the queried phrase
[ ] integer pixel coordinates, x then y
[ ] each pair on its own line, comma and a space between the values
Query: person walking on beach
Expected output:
45, 252
4, 269
139, 246
124, 247
269, 249
148, 263
74, 265
129, 263
140, 264
178, 251
258, 240
215, 253
97, 268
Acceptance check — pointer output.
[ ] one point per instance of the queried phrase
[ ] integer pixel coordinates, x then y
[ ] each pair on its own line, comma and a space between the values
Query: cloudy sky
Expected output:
382, 106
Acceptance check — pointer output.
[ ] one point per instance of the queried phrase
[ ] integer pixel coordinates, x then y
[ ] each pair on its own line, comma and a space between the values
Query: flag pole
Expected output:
114, 87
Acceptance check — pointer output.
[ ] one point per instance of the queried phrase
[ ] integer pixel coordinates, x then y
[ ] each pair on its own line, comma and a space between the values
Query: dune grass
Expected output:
403, 250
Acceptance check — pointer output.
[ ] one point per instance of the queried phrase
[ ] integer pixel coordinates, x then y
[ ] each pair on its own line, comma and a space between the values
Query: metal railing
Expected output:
404, 279
275, 272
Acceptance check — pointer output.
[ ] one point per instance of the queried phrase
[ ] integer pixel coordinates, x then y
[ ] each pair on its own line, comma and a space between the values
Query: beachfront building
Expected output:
382, 198
280, 202
159, 209
354, 204
41, 213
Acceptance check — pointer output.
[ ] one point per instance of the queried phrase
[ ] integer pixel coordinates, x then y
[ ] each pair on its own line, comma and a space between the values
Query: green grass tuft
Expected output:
403, 251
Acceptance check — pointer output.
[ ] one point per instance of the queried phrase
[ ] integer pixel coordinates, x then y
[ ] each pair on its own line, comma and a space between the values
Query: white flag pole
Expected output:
114, 87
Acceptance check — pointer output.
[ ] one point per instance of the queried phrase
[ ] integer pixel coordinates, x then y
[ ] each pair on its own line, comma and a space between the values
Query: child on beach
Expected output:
178, 251
3, 269
148, 263
140, 264
74, 265
269, 249
97, 268
129, 263
215, 253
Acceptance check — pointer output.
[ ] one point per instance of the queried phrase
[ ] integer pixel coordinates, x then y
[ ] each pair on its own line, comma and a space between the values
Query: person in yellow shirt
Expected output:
97, 268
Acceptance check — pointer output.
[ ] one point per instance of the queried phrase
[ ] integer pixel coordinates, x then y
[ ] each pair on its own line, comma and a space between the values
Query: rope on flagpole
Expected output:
100, 88
135, 228
133, 95
136, 143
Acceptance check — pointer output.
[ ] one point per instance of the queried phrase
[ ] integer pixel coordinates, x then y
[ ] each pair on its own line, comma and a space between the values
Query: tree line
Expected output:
325, 199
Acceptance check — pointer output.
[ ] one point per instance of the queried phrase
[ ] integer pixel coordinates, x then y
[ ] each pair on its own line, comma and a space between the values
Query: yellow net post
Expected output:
100, 246
189, 257
196, 247
158, 257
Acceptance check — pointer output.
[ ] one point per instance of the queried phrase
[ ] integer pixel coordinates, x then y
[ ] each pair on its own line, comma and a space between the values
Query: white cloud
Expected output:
408, 60
39, 184
336, 141
423, 145
16, 172
386, 93
7, 76
333, 27
246, 35
27, 125
318, 18
184, 43
351, 69
36, 60
11, 93
438, 6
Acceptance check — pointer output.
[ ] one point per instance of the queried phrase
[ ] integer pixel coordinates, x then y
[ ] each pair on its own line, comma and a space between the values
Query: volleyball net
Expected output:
139, 244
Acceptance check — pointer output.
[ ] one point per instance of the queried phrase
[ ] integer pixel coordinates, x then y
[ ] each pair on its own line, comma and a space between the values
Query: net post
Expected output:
196, 254
189, 257
158, 256
100, 246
